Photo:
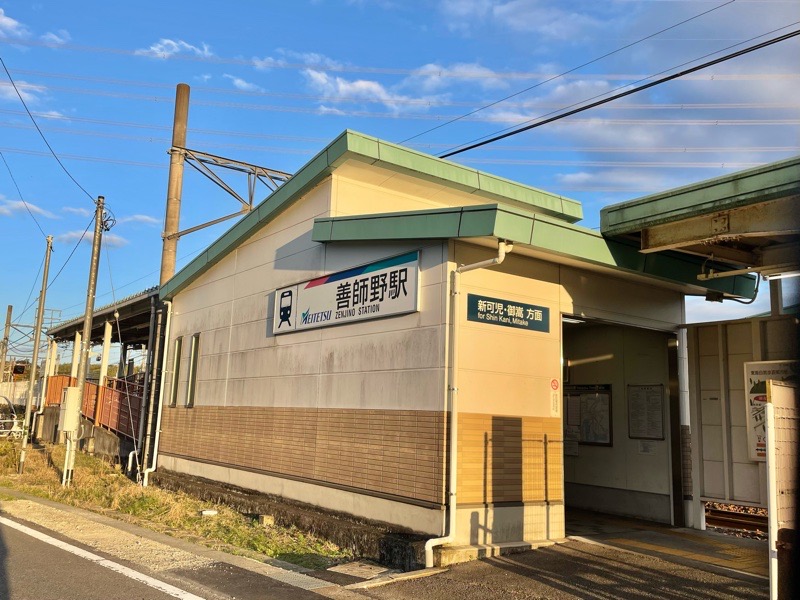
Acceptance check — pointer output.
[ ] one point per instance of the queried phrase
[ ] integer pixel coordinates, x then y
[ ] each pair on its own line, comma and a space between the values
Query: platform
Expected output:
678, 544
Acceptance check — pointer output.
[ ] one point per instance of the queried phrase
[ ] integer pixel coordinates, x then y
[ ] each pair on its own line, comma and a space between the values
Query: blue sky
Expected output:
273, 82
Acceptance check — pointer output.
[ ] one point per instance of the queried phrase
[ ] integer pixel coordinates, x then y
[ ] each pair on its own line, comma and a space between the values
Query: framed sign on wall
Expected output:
588, 414
646, 412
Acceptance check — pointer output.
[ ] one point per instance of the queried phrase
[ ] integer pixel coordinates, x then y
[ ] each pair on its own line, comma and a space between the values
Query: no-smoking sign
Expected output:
554, 384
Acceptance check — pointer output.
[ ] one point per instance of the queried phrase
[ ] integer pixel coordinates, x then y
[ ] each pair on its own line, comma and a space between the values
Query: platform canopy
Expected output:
533, 234
132, 322
747, 222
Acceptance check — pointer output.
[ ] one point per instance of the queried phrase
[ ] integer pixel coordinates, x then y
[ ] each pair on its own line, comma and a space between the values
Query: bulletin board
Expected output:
587, 414
646, 412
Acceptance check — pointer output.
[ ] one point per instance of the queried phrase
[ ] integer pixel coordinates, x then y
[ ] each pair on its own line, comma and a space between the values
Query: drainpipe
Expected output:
503, 248
152, 356
151, 394
154, 458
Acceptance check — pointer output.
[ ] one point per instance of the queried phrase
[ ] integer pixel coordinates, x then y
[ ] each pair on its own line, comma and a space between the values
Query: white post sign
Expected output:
380, 289
756, 375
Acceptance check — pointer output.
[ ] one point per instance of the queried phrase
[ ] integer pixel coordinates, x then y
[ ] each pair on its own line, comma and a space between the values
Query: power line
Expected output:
279, 64
573, 69
129, 83
66, 262
630, 91
510, 161
362, 114
308, 151
28, 302
427, 145
44, 139
28, 208
402, 101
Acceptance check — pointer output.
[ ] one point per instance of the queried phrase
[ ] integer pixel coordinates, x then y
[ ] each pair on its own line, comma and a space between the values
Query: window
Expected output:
193, 353
176, 371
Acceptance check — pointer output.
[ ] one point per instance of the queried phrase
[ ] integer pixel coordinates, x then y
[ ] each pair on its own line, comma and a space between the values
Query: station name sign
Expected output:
508, 313
380, 289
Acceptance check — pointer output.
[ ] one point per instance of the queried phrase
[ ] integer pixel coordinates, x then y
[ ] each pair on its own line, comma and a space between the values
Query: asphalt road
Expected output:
34, 570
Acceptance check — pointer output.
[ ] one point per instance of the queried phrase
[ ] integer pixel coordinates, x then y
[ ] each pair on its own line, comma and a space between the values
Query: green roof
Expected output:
532, 230
356, 146
767, 182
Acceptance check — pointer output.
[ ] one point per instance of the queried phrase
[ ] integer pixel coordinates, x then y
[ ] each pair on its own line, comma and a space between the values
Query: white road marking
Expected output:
103, 562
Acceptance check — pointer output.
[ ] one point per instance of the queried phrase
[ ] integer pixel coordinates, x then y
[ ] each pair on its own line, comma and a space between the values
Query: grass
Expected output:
98, 486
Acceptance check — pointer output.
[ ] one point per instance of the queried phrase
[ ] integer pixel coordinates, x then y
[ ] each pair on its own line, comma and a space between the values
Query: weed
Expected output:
97, 486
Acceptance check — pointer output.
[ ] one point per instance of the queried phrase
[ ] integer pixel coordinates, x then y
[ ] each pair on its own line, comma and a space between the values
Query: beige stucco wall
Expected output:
506, 381
307, 390
385, 363
393, 365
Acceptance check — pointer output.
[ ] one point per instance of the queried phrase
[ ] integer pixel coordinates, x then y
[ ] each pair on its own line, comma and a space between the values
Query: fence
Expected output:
120, 401
16, 391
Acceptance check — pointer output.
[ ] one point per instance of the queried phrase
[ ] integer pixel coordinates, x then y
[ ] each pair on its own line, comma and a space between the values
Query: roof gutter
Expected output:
503, 248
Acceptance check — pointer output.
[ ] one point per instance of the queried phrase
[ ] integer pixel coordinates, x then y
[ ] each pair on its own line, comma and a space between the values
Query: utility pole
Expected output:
175, 183
4, 344
37, 336
72, 434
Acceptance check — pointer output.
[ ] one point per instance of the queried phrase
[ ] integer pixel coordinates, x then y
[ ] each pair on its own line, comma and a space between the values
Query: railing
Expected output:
120, 401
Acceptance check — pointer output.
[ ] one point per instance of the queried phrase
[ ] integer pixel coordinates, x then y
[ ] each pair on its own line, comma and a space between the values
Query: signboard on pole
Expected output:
380, 289
756, 375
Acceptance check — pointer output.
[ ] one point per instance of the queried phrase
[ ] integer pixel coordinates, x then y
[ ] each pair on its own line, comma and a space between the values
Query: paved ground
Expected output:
573, 570
675, 544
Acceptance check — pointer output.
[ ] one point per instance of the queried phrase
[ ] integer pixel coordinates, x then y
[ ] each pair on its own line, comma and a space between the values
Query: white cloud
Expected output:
62, 36
700, 311
11, 28
51, 114
110, 240
313, 59
634, 179
28, 91
9, 207
146, 219
460, 14
166, 48
291, 58
360, 90
329, 110
83, 212
241, 84
433, 77
205, 77
267, 62
545, 18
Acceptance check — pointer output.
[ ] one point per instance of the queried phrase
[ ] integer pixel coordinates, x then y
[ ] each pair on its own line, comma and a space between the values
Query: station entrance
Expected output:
622, 421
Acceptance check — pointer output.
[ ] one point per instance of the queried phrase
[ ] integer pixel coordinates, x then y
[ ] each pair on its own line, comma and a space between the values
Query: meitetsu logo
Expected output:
308, 318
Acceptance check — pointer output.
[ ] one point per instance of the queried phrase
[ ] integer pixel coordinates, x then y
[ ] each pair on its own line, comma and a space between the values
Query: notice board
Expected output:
646, 412
587, 414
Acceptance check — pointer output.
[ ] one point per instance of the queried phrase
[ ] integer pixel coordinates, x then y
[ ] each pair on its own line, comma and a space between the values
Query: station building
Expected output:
388, 328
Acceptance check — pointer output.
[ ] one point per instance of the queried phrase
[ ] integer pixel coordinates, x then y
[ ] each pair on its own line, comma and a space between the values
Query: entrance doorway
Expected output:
622, 427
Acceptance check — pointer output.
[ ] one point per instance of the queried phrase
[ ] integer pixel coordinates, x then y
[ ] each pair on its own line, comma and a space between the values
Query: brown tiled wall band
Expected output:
391, 452
502, 459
